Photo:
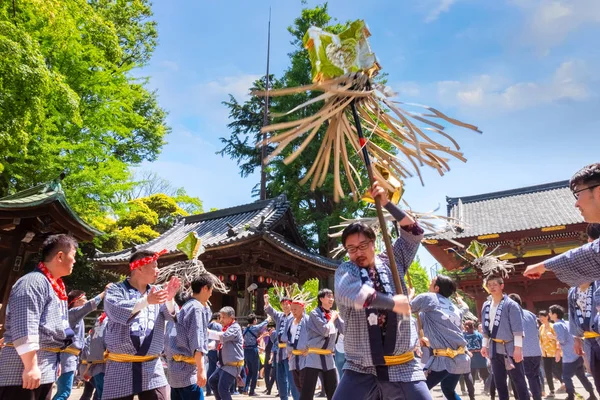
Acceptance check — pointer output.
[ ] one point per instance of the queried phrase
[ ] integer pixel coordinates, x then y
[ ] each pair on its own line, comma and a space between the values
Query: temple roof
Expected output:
531, 207
270, 220
44, 199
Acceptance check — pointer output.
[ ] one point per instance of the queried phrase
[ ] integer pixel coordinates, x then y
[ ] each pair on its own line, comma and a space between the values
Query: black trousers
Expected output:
532, 373
309, 382
152, 394
44, 392
552, 368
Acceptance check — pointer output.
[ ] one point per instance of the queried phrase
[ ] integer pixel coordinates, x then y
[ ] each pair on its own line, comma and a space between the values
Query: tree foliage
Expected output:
70, 102
419, 277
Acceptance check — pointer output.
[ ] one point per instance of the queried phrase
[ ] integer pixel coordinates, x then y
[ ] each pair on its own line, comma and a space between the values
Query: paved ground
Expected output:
436, 393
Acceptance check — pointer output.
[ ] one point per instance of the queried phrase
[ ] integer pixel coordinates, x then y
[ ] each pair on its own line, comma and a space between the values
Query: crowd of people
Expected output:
378, 345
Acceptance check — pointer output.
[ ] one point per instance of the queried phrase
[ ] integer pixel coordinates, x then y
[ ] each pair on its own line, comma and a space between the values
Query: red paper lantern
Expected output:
275, 283
261, 279
233, 278
269, 280
221, 278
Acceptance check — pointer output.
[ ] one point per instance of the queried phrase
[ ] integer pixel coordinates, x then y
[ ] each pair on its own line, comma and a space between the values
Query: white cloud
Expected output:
549, 22
410, 89
570, 81
440, 7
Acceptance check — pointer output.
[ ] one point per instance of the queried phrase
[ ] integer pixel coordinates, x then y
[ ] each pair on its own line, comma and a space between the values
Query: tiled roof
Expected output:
223, 227
520, 209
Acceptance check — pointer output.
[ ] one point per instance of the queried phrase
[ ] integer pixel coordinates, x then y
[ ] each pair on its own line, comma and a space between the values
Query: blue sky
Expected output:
525, 71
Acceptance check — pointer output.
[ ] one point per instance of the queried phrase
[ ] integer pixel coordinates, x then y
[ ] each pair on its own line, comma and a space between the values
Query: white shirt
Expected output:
293, 330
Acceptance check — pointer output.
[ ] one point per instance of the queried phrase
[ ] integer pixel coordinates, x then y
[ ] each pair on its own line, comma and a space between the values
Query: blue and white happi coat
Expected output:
189, 334
83, 357
321, 334
232, 350
298, 341
141, 334
566, 341
97, 347
531, 340
280, 323
251, 334
583, 313
363, 344
68, 362
35, 319
507, 323
442, 321
577, 266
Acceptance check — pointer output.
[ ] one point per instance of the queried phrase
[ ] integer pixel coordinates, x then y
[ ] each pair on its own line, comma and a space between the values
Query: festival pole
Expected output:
382, 223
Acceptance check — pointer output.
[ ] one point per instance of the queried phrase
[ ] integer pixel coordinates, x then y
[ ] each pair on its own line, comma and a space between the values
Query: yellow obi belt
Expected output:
590, 335
282, 345
501, 341
70, 350
85, 362
322, 352
185, 359
449, 352
399, 359
129, 358
299, 352
235, 364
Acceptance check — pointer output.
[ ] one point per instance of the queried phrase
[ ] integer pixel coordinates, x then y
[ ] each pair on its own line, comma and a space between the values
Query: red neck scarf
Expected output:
101, 318
225, 329
327, 314
57, 284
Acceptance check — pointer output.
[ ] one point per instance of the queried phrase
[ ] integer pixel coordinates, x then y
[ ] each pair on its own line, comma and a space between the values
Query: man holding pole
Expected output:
379, 337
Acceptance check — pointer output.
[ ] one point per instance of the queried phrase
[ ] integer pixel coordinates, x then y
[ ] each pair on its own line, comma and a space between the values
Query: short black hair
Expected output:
215, 316
56, 243
558, 310
322, 294
446, 284
202, 280
139, 254
593, 231
285, 298
542, 313
516, 298
252, 318
588, 174
358, 227
73, 294
181, 297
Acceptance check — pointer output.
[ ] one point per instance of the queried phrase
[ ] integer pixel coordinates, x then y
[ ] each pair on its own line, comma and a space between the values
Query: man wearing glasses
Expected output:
580, 265
378, 340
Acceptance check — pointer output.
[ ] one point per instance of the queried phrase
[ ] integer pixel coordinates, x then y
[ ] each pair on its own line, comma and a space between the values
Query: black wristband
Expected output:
395, 211
382, 302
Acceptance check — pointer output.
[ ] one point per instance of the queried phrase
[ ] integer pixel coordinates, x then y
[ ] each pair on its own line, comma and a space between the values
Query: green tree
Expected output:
418, 276
70, 101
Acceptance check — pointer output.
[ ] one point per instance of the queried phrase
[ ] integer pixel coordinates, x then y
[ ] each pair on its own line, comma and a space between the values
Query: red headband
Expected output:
298, 303
76, 298
146, 260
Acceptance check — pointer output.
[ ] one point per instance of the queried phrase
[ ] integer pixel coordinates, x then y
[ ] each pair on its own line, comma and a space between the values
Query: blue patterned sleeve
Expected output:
574, 327
260, 328
167, 314
515, 317
424, 302
340, 324
577, 266
349, 289
118, 307
562, 334
77, 313
405, 249
25, 305
317, 325
231, 334
273, 313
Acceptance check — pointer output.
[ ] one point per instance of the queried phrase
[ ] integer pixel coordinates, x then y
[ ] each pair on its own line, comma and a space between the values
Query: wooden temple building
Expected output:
254, 243
26, 219
529, 224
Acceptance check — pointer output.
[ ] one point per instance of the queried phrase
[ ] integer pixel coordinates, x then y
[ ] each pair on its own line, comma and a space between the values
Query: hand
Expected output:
266, 298
378, 191
401, 305
578, 347
484, 352
157, 296
201, 377
334, 315
32, 377
518, 354
424, 342
105, 289
558, 356
172, 287
535, 271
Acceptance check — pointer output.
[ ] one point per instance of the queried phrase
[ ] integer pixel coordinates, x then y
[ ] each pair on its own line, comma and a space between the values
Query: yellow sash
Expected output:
590, 335
282, 345
71, 350
185, 359
129, 358
501, 341
299, 352
85, 362
235, 364
399, 359
323, 352
49, 349
449, 352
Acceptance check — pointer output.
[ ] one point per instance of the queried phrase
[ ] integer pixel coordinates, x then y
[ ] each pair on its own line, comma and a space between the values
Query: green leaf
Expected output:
476, 249
191, 246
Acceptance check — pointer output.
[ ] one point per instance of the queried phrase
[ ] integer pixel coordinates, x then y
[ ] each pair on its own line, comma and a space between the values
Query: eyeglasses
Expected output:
362, 247
576, 192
